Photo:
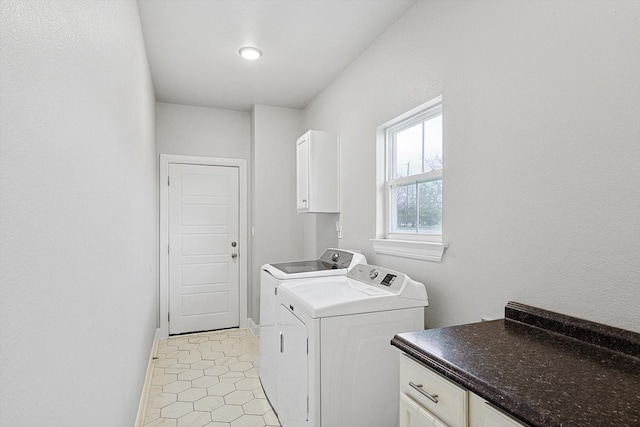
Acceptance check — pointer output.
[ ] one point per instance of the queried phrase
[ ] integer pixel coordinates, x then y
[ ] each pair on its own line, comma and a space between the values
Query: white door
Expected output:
302, 172
269, 337
293, 379
203, 248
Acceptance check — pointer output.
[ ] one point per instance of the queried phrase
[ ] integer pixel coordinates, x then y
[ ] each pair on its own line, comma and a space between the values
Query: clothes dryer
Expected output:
336, 365
333, 262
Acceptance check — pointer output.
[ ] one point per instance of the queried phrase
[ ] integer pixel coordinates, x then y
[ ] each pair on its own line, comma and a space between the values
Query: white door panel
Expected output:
204, 274
302, 173
268, 364
203, 185
203, 223
293, 379
204, 215
205, 244
205, 303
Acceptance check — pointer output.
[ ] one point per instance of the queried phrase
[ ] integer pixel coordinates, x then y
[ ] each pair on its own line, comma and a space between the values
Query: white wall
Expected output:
319, 233
199, 131
78, 246
542, 146
278, 227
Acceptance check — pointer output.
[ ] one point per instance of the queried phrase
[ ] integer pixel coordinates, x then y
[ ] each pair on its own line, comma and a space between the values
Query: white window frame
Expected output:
424, 246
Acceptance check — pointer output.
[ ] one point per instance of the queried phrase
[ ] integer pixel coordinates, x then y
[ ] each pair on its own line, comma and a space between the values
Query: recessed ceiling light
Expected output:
250, 52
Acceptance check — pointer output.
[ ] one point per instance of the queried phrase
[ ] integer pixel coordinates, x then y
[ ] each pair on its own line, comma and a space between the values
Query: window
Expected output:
414, 175
410, 163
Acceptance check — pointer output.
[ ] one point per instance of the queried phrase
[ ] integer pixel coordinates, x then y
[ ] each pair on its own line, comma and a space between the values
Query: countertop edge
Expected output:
473, 384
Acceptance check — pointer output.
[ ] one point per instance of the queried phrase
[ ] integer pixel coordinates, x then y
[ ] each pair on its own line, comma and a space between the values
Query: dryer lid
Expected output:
366, 289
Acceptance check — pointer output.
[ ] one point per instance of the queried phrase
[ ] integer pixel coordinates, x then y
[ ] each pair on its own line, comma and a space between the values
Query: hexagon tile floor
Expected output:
208, 379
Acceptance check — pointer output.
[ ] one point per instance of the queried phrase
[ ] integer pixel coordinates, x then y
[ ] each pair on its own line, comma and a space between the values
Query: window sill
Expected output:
425, 251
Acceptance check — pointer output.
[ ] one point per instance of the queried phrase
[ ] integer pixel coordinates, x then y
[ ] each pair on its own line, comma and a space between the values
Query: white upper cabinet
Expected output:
317, 173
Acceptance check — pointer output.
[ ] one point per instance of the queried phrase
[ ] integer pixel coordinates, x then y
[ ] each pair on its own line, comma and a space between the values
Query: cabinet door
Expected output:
414, 415
302, 172
293, 375
418, 381
269, 338
496, 418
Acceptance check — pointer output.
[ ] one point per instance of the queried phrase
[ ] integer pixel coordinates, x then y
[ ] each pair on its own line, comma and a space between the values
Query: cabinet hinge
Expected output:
307, 345
168, 249
168, 317
168, 180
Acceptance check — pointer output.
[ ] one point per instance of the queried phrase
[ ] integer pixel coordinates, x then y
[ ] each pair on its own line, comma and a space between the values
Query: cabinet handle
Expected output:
418, 388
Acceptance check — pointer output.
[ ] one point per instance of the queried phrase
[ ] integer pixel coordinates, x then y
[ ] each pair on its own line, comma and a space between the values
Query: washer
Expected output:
336, 365
333, 262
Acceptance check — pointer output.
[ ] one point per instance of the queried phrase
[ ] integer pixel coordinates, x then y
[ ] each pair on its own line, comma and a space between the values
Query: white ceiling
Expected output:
193, 45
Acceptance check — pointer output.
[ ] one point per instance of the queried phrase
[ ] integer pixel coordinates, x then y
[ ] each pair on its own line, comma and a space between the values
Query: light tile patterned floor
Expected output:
208, 379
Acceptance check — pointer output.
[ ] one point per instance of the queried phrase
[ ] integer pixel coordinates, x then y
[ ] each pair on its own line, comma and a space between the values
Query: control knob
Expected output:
373, 274
335, 256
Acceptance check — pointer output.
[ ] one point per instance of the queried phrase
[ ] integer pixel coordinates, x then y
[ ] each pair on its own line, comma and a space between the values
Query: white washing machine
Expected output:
333, 262
336, 365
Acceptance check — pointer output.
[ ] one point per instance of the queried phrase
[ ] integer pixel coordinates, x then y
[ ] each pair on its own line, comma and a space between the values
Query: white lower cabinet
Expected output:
412, 414
493, 417
427, 399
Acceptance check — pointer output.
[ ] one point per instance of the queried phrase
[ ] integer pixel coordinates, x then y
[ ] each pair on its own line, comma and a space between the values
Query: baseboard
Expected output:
255, 329
142, 406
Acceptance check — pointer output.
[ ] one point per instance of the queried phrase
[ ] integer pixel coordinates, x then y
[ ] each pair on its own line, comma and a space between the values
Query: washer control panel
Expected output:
335, 258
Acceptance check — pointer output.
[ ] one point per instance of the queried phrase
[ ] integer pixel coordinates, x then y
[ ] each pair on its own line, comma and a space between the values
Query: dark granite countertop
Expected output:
544, 368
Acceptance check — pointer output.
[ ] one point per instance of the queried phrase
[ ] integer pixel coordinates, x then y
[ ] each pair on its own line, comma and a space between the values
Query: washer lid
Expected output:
333, 262
303, 269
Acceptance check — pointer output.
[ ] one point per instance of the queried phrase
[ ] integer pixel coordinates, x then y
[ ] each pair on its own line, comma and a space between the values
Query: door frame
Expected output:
241, 164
